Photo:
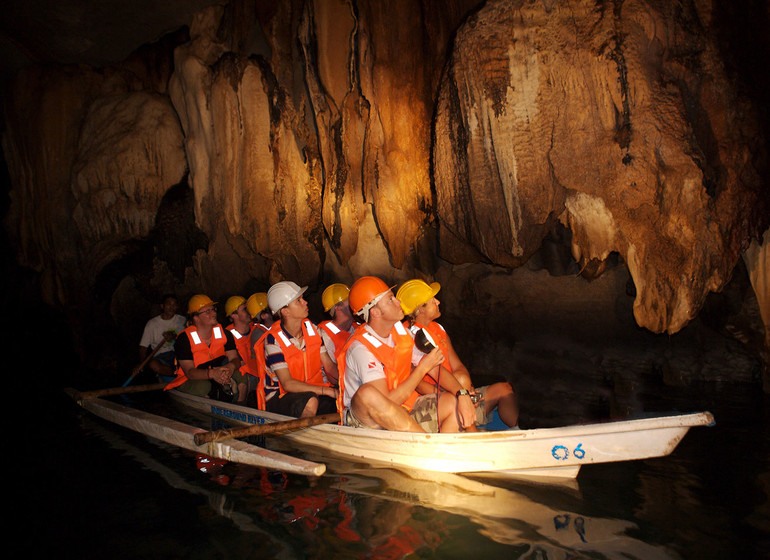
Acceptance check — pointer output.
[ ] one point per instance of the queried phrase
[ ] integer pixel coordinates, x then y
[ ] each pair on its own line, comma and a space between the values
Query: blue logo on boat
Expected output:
236, 415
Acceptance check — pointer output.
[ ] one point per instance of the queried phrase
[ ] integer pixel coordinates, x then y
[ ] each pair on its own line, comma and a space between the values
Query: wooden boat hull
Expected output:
182, 435
549, 452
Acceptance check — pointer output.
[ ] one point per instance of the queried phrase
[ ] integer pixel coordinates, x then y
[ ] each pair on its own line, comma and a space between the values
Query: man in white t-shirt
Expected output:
161, 329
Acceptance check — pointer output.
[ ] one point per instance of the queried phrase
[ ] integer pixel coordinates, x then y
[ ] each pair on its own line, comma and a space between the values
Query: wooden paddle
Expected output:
84, 395
268, 428
140, 367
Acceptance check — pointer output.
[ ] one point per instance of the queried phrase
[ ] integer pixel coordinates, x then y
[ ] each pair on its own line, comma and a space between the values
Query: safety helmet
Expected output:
282, 294
233, 303
256, 303
198, 302
334, 294
413, 293
363, 291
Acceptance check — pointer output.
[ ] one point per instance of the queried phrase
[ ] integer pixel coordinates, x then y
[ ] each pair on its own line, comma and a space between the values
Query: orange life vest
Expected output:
441, 338
244, 349
304, 365
396, 360
201, 352
338, 336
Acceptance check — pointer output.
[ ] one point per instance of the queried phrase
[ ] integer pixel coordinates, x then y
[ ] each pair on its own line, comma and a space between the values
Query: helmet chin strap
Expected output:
365, 311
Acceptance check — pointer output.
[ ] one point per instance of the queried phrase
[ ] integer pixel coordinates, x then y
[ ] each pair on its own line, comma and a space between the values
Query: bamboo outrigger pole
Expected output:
267, 428
84, 395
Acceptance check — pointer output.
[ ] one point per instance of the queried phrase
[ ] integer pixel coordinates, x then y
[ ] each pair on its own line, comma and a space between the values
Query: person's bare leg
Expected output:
503, 396
375, 410
447, 414
242, 393
311, 408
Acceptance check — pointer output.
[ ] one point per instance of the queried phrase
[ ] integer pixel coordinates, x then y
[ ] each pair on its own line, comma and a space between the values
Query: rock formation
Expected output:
335, 138
616, 119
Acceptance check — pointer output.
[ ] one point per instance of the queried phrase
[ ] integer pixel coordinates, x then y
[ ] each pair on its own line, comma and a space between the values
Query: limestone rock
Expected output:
90, 153
129, 151
327, 140
617, 119
252, 179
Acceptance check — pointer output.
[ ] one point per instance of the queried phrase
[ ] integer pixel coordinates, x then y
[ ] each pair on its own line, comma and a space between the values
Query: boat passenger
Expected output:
421, 306
256, 305
161, 330
380, 372
292, 359
336, 331
206, 352
241, 328
261, 318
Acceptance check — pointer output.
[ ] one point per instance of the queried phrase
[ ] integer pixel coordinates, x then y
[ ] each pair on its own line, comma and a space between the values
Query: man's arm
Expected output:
447, 380
428, 363
332, 373
291, 385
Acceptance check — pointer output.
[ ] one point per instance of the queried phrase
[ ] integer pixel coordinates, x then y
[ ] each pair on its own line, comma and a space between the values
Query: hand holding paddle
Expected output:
140, 367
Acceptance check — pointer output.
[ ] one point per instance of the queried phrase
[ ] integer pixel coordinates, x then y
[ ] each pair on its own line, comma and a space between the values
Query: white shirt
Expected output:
155, 327
361, 366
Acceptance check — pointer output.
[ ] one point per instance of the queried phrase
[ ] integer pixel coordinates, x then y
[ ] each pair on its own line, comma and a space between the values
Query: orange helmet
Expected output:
364, 290
198, 302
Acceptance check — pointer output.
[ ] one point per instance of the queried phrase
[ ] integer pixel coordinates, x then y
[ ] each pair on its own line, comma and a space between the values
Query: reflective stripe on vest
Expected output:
201, 353
244, 350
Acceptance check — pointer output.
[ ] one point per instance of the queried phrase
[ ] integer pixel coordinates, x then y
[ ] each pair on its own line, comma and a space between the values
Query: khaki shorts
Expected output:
424, 412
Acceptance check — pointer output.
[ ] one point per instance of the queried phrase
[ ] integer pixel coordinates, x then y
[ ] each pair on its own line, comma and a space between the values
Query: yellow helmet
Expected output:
414, 293
256, 303
198, 302
233, 303
334, 294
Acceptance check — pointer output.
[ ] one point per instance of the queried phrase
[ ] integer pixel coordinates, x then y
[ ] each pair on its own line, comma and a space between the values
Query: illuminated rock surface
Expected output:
513, 150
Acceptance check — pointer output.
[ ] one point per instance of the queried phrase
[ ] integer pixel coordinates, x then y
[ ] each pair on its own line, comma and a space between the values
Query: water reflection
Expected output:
358, 512
506, 515
708, 500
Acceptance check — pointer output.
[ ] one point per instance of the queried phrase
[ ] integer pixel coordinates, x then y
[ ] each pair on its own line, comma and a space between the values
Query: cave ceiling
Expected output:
85, 31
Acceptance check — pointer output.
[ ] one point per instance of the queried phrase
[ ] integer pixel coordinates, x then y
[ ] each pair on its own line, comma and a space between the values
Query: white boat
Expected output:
544, 452
183, 435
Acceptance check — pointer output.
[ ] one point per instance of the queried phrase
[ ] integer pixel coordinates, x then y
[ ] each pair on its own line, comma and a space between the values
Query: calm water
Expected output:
99, 491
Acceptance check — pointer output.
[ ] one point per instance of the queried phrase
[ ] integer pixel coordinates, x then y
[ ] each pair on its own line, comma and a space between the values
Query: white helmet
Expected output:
282, 294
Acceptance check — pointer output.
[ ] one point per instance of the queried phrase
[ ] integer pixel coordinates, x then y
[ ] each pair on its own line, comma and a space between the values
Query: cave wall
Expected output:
616, 119
323, 140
